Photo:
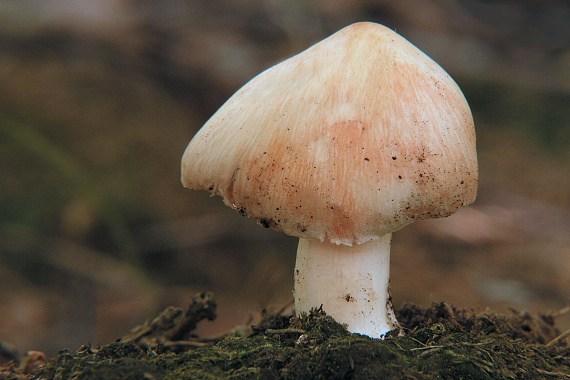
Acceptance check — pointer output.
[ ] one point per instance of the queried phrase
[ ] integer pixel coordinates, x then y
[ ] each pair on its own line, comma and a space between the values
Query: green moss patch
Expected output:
439, 342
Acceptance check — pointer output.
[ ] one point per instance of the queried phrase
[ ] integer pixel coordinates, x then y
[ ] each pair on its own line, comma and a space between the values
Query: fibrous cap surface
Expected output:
355, 137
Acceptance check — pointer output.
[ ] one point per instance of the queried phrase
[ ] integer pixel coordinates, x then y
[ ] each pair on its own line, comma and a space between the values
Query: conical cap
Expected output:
355, 137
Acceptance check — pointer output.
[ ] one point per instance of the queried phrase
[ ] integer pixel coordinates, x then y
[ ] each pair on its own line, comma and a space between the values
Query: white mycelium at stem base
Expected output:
350, 282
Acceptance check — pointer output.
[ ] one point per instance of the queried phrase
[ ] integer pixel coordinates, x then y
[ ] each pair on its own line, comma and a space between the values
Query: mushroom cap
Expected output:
353, 138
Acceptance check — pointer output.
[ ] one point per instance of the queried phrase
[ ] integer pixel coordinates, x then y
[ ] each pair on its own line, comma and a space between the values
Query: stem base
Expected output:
351, 283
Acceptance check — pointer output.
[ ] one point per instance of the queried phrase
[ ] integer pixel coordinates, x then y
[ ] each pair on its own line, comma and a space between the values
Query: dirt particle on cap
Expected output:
267, 222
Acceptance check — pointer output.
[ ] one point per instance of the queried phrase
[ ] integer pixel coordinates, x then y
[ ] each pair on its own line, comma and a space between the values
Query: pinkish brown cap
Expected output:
355, 137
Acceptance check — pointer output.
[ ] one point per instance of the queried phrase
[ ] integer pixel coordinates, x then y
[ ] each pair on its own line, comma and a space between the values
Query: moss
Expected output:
440, 342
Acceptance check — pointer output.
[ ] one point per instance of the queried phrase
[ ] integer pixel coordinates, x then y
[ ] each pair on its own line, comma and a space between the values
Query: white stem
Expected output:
352, 283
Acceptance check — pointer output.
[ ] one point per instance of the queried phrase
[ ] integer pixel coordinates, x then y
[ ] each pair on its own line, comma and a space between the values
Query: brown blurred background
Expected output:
99, 98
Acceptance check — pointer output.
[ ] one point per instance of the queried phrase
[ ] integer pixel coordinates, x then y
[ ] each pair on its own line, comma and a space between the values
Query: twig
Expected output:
557, 374
560, 337
425, 348
560, 312
284, 331
414, 339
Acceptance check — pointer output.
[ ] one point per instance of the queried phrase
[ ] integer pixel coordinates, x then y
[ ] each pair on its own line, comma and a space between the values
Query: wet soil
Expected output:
439, 342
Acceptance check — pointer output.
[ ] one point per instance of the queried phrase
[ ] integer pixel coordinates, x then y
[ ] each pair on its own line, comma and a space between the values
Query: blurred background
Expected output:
99, 98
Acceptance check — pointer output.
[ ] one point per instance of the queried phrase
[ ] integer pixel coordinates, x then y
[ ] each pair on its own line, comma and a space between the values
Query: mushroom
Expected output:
341, 145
